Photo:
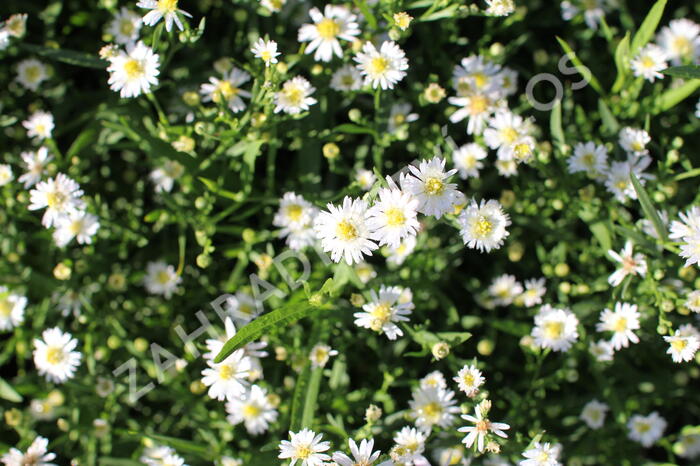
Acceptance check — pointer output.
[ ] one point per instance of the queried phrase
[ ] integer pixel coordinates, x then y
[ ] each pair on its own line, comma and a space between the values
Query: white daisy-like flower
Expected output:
469, 379
304, 446
37, 454
35, 165
365, 272
399, 116
504, 289
133, 72
467, 160
622, 322
649, 63
362, 455
505, 129
618, 177
506, 168
79, 225
688, 330
433, 406
588, 158
39, 125
320, 355
393, 217
690, 250
689, 445
428, 183
593, 11
344, 231
477, 107
409, 448
69, 302
275, 6
295, 96
682, 348
125, 26
555, 328
602, 350
242, 307
31, 73
11, 309
295, 217
16, 25
54, 355
164, 176
483, 225
384, 67
433, 379
500, 7
541, 454
365, 178
161, 279
346, 78
692, 302
59, 195
163, 9
634, 140
397, 256
6, 174
680, 40
630, 264
646, 429
336, 22
383, 311
227, 90
593, 414
161, 455
227, 379
476, 73
688, 226
535, 289
253, 409
266, 50
482, 427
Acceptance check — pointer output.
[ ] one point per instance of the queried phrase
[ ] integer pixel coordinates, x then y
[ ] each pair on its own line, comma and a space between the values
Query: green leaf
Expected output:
8, 393
262, 325
214, 188
83, 140
622, 56
609, 121
555, 126
307, 416
106, 461
448, 12
683, 72
367, 13
648, 208
300, 387
580, 67
601, 232
673, 97
263, 459
648, 28
70, 57
351, 128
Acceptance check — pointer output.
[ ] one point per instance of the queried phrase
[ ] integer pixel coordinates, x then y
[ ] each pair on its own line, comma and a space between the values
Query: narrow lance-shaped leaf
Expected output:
648, 28
648, 208
581, 68
683, 72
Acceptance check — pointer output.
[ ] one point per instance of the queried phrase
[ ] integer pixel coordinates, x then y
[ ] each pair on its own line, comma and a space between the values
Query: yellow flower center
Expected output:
163, 277
588, 160
226, 372
54, 355
637, 146
399, 119
679, 344
480, 79
251, 411
647, 62
434, 186
378, 66
126, 27
245, 309
133, 68
643, 427
522, 151
478, 105
294, 212
167, 6
509, 134
553, 330
277, 4
483, 426
621, 185
682, 46
225, 90
5, 307
303, 452
346, 231
328, 29
620, 325
347, 80
75, 227
468, 380
380, 316
394, 217
482, 227
432, 410
33, 73
55, 199
543, 457
266, 55
40, 128
320, 355
294, 95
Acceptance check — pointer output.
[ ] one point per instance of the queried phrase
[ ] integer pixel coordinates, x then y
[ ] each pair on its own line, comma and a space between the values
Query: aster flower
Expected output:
534, 291
433, 379
393, 217
397, 256
630, 264
35, 165
362, 455
135, 71
346, 78
383, 311
428, 183
344, 231
618, 181
227, 379
79, 225
163, 9
227, 90
469, 379
266, 50
59, 196
622, 322
634, 141
295, 96
409, 448
320, 355
555, 328
125, 26
164, 176
304, 446
31, 73
161, 279
39, 125
6, 174
12, 308
646, 430
467, 160
433, 406
680, 41
336, 22
37, 454
483, 226
541, 454
588, 158
482, 428
682, 348
54, 355
295, 217
593, 414
504, 289
399, 116
649, 63
253, 409
384, 67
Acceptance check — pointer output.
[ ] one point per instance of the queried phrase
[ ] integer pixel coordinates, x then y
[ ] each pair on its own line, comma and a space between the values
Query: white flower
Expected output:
594, 11
688, 226
507, 168
362, 455
11, 309
433, 379
227, 90
476, 73
384, 67
410, 445
275, 6
254, 409
433, 406
693, 301
60, 196
161, 279
31, 73
39, 125
534, 291
469, 379
4, 38
602, 350
689, 445
346, 78
634, 140
504, 289
54, 357
35, 166
162, 9
344, 231
161, 456
266, 50
295, 96
618, 177
588, 158
622, 322
6, 174
16, 25
365, 272
399, 116
336, 22
504, 131
125, 26
649, 63
227, 379
555, 328
37, 454
682, 348
320, 354
384, 309
630, 264
483, 226
482, 427
593, 414
399, 254
690, 250
304, 446
646, 429
541, 454
242, 307
295, 217
164, 176
133, 72
680, 40
500, 7
79, 225
393, 217
428, 183
477, 106
365, 178
467, 160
